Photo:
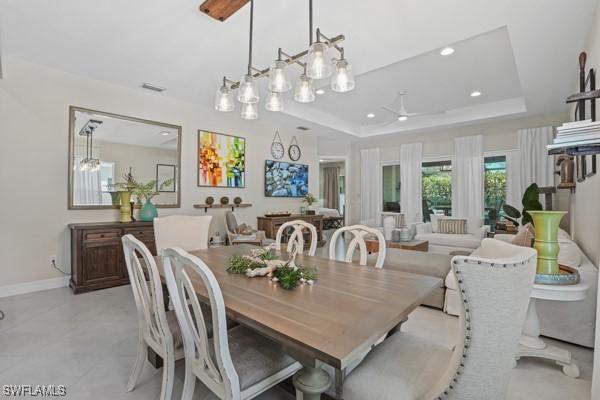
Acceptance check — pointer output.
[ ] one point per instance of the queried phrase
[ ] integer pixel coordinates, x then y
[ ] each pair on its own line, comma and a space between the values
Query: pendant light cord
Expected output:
250, 42
310, 22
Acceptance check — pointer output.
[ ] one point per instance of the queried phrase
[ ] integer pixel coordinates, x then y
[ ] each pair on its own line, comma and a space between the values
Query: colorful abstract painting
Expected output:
221, 160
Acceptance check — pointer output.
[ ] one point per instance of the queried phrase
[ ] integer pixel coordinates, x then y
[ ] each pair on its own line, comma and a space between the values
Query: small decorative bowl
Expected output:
224, 200
210, 200
237, 200
567, 276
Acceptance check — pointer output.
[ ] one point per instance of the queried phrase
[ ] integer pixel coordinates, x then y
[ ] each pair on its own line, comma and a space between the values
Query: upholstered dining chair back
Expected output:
359, 232
296, 237
210, 360
495, 288
153, 325
185, 231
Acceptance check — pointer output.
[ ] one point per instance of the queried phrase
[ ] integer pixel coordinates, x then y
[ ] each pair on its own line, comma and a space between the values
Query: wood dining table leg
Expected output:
311, 381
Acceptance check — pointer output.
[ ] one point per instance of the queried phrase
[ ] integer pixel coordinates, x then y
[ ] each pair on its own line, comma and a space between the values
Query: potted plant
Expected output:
530, 202
145, 192
309, 199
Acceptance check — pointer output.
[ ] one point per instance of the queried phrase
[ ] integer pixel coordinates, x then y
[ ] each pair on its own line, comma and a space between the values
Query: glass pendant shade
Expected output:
248, 91
279, 81
274, 102
305, 92
224, 100
317, 64
342, 79
250, 111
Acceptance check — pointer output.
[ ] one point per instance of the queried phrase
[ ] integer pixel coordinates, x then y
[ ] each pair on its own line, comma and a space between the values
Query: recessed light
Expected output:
476, 93
320, 91
446, 51
165, 133
370, 115
402, 118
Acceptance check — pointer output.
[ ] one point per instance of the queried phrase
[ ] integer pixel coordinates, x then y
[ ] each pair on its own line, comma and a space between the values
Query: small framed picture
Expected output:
165, 178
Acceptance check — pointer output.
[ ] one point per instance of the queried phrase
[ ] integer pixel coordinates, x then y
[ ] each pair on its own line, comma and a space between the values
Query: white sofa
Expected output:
570, 321
444, 243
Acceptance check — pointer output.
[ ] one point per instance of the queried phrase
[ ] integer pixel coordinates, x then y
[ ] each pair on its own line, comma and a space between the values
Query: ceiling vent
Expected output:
153, 87
303, 128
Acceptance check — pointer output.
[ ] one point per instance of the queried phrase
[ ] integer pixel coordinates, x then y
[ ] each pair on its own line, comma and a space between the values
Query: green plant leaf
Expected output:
511, 212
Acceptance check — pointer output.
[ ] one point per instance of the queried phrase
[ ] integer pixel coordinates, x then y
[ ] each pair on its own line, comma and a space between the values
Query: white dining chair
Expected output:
406, 366
296, 238
235, 364
158, 329
358, 240
186, 231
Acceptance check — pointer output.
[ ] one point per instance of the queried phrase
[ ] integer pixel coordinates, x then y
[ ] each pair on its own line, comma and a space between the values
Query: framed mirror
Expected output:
105, 147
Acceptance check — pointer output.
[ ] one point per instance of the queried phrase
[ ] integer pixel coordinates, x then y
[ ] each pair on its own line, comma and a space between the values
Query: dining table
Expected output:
335, 321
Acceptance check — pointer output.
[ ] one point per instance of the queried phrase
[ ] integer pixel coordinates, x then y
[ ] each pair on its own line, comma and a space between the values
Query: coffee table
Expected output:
417, 245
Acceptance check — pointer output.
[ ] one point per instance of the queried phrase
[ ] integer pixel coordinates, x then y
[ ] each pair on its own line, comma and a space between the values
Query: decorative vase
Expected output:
125, 209
148, 212
546, 240
389, 223
115, 198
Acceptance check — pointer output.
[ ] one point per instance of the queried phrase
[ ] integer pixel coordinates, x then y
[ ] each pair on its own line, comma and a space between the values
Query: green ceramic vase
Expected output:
125, 209
546, 240
148, 212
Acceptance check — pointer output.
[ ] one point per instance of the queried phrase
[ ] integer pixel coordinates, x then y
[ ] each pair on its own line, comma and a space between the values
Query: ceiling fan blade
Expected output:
391, 110
421, 114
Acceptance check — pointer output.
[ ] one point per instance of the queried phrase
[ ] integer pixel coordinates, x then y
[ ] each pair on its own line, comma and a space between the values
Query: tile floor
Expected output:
87, 342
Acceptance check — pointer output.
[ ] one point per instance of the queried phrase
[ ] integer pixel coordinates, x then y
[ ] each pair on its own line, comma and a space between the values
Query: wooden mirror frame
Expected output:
72, 111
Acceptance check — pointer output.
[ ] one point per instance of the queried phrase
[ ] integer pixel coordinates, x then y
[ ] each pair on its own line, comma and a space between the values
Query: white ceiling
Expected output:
521, 54
124, 131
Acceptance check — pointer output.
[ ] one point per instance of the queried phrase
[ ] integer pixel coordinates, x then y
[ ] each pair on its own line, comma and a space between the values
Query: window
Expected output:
437, 188
495, 184
391, 187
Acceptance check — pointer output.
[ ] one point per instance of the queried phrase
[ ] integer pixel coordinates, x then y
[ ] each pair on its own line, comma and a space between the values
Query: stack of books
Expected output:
578, 133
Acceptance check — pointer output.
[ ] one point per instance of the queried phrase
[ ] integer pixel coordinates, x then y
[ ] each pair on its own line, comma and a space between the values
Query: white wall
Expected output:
34, 116
497, 136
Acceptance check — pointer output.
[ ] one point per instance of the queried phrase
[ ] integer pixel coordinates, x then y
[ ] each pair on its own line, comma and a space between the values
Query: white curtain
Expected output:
87, 186
370, 187
411, 159
467, 177
536, 165
514, 190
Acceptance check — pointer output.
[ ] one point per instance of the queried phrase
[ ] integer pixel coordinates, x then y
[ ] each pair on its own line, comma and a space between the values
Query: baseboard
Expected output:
35, 286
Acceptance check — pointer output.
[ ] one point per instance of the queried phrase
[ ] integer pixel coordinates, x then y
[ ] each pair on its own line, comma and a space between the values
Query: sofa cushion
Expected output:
434, 222
453, 226
451, 240
569, 253
525, 236
474, 224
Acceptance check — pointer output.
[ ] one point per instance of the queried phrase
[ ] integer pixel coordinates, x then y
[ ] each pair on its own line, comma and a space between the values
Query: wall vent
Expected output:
153, 87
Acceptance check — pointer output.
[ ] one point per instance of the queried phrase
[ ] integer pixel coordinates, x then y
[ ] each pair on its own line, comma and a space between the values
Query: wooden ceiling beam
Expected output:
222, 9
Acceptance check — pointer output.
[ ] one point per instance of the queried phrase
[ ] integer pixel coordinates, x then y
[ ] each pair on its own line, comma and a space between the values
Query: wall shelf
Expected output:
232, 206
576, 150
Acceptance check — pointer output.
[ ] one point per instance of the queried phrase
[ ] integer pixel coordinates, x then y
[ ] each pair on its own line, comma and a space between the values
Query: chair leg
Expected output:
189, 383
168, 374
142, 352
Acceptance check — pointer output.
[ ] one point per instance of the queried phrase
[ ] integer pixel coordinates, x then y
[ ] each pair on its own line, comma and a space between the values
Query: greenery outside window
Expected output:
437, 188
495, 184
391, 188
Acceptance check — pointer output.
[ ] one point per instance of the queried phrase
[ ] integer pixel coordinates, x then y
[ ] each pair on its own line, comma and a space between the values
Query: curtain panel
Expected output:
467, 177
331, 187
370, 187
411, 159
536, 165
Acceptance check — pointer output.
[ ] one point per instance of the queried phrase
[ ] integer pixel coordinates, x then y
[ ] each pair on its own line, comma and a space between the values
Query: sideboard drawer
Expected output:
108, 234
140, 233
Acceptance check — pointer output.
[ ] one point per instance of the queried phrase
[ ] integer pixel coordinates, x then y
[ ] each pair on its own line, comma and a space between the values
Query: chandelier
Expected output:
316, 63
89, 163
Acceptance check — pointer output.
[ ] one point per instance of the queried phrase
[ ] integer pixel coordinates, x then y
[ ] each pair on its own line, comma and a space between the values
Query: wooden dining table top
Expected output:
335, 320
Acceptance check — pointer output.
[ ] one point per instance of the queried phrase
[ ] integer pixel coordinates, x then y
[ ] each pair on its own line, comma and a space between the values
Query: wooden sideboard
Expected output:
271, 225
97, 259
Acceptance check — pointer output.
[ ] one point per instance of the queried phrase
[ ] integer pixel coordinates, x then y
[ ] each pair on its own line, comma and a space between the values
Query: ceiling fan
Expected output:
402, 113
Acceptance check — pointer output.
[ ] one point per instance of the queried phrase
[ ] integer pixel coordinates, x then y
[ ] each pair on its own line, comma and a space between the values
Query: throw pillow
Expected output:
473, 224
453, 226
434, 221
525, 236
569, 254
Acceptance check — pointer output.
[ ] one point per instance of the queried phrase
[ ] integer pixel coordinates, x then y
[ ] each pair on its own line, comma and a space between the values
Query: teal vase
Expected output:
148, 212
